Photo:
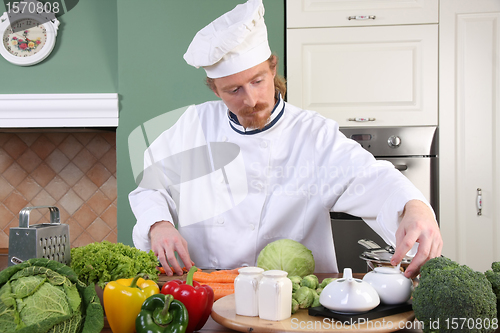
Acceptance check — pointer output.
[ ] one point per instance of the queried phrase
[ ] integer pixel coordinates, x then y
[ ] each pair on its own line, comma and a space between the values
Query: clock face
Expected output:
29, 39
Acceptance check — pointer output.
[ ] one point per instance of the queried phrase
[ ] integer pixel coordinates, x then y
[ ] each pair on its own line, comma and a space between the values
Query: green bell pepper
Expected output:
162, 314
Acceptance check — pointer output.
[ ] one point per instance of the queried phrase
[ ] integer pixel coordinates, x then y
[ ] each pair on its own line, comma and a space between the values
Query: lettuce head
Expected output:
287, 255
42, 295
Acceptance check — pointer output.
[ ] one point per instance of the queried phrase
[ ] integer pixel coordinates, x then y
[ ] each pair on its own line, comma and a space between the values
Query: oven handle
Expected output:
401, 167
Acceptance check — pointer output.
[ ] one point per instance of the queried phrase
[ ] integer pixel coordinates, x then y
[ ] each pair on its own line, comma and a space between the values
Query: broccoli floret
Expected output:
494, 277
448, 292
441, 263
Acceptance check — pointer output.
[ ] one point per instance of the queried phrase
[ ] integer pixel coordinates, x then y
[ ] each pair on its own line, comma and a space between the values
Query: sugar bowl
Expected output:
390, 283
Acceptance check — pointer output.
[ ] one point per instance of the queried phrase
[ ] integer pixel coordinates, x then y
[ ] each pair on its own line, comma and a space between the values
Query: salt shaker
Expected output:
275, 295
246, 294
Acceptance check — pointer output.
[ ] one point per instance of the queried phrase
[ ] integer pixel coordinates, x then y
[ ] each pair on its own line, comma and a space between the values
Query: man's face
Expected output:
249, 94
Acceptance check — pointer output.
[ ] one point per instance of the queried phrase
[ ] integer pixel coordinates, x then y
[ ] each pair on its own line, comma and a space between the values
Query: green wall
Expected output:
153, 76
84, 59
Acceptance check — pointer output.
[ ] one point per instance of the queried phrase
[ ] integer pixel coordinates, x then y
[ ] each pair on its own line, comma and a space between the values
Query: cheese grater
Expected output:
44, 240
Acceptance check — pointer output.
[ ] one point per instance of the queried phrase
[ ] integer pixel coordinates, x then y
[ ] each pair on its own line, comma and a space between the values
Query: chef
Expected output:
232, 175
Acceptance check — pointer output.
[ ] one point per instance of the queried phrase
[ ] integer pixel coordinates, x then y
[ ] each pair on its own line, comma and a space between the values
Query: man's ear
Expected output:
213, 87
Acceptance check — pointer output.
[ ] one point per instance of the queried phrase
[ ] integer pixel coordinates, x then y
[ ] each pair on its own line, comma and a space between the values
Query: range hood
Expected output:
58, 110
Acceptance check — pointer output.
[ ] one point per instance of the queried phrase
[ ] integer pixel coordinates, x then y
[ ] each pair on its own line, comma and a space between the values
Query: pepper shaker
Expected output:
275, 295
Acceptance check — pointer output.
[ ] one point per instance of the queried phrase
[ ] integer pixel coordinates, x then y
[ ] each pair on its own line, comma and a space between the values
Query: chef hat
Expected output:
234, 42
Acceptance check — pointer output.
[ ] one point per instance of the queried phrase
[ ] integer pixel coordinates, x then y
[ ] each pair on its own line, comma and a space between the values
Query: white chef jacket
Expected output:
289, 176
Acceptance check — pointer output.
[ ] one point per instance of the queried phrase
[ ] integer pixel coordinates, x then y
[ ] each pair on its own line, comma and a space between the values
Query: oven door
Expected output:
347, 229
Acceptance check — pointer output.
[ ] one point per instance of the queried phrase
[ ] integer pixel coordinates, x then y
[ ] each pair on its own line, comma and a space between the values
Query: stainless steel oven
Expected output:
413, 151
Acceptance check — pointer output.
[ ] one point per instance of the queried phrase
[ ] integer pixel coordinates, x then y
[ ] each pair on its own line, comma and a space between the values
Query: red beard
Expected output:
253, 117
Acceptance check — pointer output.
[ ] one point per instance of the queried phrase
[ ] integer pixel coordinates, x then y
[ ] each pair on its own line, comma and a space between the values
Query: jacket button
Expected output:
263, 144
224, 138
252, 226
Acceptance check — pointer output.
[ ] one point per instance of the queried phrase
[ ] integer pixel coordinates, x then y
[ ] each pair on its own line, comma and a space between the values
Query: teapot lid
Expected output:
388, 270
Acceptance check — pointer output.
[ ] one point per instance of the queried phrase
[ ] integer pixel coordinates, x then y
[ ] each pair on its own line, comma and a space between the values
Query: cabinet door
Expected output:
384, 73
347, 13
470, 130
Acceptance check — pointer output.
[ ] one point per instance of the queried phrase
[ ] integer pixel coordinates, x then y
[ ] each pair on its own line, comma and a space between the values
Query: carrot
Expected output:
227, 271
221, 289
203, 277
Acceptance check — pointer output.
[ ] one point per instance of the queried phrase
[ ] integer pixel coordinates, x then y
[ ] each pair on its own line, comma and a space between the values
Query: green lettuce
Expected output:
102, 262
42, 295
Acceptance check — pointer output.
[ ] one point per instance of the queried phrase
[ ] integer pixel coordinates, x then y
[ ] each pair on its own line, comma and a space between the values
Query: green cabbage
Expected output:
42, 295
287, 255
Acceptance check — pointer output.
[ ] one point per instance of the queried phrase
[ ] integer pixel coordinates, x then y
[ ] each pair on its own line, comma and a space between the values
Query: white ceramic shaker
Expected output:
246, 291
275, 295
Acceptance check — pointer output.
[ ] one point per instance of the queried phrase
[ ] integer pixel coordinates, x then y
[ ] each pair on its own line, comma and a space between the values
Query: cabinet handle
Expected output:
479, 201
361, 17
361, 119
401, 167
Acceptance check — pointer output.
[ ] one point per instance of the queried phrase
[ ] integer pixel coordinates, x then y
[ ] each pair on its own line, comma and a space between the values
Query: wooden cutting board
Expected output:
223, 312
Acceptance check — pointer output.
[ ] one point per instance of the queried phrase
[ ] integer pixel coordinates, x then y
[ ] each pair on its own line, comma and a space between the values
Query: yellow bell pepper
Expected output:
123, 299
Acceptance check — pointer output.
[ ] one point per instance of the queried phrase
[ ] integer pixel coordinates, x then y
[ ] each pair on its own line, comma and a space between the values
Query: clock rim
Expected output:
39, 56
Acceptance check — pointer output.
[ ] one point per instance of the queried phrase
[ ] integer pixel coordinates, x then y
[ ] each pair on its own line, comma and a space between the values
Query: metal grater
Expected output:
44, 240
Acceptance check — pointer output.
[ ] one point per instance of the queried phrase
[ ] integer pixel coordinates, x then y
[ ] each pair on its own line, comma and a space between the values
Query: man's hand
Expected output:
165, 241
418, 225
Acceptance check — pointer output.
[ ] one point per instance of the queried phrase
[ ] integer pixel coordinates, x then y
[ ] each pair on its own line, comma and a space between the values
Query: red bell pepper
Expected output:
198, 299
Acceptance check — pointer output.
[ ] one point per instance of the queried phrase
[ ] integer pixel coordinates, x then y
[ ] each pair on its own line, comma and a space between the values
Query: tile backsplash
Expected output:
74, 170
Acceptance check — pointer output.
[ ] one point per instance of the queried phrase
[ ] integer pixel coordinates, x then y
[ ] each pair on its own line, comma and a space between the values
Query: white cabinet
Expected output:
469, 121
385, 74
348, 13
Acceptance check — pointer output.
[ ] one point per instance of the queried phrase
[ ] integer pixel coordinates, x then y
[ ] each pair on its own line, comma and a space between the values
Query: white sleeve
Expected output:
157, 194
149, 207
371, 189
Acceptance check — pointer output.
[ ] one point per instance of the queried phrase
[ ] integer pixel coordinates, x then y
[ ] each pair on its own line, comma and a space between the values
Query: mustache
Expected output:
248, 110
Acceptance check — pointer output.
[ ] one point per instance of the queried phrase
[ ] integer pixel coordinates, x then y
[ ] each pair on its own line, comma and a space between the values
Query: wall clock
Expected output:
26, 40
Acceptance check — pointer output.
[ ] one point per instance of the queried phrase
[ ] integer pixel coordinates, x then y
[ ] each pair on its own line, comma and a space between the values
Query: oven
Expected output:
413, 151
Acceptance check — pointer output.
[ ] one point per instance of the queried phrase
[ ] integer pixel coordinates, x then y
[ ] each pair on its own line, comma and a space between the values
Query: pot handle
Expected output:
24, 215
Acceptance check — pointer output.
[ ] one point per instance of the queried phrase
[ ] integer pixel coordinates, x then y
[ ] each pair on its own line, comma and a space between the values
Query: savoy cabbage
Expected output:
42, 295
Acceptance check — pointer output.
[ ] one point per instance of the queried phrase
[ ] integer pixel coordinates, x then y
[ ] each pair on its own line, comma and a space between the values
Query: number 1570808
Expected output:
470, 323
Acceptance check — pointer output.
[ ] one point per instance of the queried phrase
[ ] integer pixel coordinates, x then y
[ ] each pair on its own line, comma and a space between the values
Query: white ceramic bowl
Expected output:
390, 283
349, 295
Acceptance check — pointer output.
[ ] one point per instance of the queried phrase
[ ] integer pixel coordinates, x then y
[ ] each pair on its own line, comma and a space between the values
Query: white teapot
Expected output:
390, 283
349, 295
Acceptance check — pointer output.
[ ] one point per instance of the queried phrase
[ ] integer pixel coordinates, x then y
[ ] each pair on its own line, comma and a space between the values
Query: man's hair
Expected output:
279, 81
